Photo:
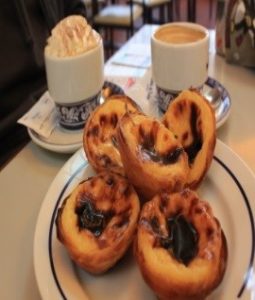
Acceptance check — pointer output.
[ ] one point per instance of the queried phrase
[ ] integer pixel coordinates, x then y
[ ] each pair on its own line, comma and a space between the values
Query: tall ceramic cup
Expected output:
75, 73
179, 59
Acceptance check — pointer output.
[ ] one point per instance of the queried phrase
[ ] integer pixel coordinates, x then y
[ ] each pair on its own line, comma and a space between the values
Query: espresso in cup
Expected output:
179, 54
74, 63
179, 34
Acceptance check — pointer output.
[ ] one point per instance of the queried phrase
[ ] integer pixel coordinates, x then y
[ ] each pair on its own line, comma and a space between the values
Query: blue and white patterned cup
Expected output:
75, 83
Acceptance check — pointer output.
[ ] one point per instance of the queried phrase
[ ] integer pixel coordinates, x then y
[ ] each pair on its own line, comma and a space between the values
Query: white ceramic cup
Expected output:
75, 84
179, 66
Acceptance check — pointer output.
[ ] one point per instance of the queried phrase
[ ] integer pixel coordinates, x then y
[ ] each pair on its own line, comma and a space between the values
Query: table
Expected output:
26, 179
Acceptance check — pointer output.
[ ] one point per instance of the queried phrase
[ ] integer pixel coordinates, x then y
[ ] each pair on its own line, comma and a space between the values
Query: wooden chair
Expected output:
89, 8
165, 8
116, 16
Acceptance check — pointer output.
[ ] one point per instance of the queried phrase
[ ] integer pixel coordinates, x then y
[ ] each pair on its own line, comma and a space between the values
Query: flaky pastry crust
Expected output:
98, 220
99, 137
170, 278
192, 119
153, 158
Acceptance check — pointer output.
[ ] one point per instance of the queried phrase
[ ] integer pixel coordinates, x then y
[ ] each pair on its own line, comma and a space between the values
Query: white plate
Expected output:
230, 189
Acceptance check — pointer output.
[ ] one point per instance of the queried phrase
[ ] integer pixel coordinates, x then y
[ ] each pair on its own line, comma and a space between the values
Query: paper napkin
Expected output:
42, 117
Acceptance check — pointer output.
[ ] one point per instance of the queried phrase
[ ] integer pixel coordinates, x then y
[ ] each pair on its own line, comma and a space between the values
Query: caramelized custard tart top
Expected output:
153, 158
98, 220
99, 138
192, 120
180, 246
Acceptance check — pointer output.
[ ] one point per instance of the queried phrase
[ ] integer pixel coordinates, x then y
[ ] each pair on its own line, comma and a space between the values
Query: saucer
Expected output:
61, 140
64, 140
222, 110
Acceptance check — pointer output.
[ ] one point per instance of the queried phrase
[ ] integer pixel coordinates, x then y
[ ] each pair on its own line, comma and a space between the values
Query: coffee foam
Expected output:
70, 37
175, 34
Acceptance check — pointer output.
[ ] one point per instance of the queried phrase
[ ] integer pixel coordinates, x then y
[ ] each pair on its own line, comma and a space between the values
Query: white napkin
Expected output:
141, 90
135, 55
42, 117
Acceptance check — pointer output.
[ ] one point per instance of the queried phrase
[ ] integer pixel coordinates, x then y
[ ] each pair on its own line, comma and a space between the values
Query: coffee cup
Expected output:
179, 59
75, 80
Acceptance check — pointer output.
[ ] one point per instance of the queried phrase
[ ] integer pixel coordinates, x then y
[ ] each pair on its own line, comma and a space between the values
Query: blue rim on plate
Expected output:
232, 176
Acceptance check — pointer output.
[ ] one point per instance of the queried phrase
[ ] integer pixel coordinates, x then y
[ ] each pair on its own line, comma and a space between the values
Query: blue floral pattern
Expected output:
74, 116
164, 98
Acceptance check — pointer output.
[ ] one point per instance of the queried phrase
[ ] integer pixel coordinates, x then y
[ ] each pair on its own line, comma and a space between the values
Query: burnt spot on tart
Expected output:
155, 225
110, 181
172, 156
103, 120
127, 191
163, 202
110, 119
165, 122
90, 218
165, 138
185, 136
180, 108
193, 205
114, 120
181, 240
94, 131
209, 232
197, 140
123, 216
147, 137
124, 220
105, 160
198, 211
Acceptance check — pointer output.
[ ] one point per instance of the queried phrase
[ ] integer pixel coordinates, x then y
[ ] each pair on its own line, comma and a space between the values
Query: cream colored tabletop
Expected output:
26, 179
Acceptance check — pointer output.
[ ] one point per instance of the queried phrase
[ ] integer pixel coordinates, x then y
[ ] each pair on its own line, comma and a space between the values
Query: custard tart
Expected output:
180, 247
192, 120
154, 160
99, 137
97, 221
